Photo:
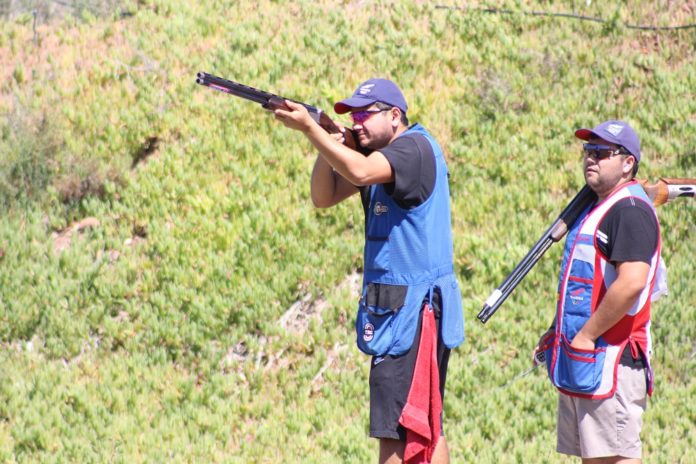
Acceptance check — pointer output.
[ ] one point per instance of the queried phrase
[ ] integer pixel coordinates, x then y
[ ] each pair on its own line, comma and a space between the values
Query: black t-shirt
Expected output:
628, 232
413, 162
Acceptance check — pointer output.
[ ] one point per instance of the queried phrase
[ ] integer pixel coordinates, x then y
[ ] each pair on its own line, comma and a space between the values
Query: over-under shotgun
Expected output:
664, 190
271, 101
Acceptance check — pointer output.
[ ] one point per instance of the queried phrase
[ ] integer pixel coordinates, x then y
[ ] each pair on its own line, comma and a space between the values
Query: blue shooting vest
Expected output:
408, 255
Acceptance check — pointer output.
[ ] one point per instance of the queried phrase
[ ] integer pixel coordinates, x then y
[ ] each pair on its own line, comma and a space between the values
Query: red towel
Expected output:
421, 415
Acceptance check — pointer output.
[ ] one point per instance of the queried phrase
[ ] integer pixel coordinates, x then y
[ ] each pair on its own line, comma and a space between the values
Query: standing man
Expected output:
410, 314
598, 348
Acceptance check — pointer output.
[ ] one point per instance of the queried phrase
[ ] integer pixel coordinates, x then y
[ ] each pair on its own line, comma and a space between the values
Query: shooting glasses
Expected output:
599, 152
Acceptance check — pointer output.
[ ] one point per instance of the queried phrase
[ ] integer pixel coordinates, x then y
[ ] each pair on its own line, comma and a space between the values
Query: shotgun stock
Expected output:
664, 190
271, 102
668, 188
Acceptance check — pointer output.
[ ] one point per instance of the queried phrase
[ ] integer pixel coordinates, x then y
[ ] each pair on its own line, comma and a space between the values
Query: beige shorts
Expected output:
609, 427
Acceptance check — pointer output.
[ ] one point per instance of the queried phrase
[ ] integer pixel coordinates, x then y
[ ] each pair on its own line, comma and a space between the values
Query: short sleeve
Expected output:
629, 232
413, 163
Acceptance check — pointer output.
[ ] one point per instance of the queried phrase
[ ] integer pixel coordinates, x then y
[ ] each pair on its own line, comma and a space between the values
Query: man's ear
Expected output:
396, 116
628, 165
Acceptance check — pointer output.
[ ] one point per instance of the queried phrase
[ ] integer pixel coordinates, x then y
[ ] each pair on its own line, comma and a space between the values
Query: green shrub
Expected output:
156, 335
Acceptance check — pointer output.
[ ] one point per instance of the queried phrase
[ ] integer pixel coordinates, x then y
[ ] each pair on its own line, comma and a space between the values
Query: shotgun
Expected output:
668, 188
663, 191
271, 102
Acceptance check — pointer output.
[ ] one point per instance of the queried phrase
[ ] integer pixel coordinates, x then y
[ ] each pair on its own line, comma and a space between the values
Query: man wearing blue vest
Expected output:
598, 348
410, 313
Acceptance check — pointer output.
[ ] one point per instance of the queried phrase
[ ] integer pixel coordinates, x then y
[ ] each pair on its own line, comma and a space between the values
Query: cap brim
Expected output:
584, 134
587, 134
348, 104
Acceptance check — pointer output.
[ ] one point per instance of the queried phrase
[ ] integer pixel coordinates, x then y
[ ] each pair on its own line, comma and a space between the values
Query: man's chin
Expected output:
365, 142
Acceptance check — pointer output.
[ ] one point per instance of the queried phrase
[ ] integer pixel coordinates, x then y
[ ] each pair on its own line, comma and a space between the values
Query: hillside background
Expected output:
169, 294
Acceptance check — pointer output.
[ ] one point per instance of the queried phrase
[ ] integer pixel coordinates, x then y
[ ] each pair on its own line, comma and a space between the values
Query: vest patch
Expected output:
577, 296
380, 208
368, 332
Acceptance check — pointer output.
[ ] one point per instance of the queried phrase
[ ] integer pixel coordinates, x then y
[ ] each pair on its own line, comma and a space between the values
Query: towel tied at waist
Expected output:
421, 414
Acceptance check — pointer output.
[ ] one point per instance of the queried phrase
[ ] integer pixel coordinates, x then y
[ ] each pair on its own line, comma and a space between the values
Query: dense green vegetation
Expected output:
204, 313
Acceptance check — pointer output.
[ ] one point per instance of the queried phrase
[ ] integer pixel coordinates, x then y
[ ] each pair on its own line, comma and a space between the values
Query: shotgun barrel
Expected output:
558, 229
664, 190
271, 101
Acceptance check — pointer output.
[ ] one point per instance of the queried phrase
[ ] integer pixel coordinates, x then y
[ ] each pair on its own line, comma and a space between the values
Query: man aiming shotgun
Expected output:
410, 312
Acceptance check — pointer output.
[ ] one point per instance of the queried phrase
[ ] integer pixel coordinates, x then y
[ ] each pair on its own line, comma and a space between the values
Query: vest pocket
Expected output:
579, 371
378, 309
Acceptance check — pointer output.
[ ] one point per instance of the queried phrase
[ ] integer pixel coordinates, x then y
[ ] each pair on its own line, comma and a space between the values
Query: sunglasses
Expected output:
600, 152
360, 117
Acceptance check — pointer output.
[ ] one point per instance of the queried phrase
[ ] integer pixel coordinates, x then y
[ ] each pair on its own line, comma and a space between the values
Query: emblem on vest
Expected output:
576, 296
368, 332
380, 208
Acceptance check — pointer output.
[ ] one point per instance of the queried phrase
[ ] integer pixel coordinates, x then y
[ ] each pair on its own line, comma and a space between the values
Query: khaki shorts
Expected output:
609, 427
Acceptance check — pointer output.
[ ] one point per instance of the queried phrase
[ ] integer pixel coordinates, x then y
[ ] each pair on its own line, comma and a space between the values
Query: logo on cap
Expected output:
365, 89
615, 129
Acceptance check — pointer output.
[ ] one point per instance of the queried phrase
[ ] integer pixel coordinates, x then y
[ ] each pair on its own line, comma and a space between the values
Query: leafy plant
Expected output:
206, 315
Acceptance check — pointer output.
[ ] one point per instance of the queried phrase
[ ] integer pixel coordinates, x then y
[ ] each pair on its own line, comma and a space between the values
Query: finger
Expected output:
292, 105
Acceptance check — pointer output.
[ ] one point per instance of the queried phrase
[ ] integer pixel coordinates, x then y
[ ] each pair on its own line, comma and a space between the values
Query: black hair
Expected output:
636, 164
386, 106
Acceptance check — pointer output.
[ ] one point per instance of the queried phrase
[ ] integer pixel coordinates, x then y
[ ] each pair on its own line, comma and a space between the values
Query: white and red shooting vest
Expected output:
586, 274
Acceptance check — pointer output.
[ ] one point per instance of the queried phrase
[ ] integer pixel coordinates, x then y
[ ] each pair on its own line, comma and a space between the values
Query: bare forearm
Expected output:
620, 296
350, 164
327, 187
614, 306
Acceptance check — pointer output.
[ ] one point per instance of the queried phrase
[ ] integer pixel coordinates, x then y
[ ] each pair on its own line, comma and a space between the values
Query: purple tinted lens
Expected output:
360, 117
598, 154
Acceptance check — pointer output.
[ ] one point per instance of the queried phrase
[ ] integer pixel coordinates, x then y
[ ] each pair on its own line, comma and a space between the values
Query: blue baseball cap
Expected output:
372, 91
616, 132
